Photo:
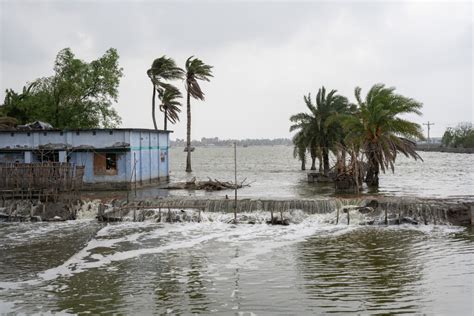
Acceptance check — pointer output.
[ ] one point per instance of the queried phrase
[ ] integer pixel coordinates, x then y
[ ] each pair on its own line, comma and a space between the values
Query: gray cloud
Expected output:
266, 55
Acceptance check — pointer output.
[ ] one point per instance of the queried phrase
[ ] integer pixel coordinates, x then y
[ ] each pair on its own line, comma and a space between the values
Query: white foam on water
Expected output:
254, 240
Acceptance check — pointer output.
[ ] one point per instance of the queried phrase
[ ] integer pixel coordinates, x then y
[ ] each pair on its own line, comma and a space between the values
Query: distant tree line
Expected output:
364, 137
215, 141
462, 136
78, 95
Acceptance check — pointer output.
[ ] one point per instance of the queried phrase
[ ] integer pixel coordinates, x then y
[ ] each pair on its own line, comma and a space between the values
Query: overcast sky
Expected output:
266, 55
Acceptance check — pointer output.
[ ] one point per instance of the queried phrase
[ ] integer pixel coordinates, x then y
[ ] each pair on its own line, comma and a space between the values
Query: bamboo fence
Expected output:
49, 180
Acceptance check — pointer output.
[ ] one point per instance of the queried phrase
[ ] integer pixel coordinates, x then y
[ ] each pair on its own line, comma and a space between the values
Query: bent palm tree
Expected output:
170, 105
162, 69
195, 70
378, 130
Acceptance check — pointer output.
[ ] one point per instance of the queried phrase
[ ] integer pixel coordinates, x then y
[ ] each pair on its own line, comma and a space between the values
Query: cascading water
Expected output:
339, 211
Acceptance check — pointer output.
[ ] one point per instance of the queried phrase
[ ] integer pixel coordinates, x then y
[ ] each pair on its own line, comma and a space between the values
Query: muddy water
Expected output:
273, 172
311, 266
212, 267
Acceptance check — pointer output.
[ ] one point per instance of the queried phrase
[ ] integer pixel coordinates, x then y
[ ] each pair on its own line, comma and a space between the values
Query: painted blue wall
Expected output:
148, 147
99, 138
87, 159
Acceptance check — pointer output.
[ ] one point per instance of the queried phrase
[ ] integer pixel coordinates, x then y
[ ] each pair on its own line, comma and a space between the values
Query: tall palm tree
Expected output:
300, 148
307, 137
329, 131
170, 105
322, 132
379, 131
195, 70
162, 69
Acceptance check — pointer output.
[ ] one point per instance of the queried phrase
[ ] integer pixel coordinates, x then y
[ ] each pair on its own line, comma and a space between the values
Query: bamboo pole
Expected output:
235, 185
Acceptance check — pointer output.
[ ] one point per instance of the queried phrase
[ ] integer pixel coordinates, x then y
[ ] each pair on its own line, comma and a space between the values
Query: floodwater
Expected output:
273, 173
310, 267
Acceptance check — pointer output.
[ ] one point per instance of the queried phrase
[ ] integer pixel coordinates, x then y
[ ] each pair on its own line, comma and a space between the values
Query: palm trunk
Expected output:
302, 157
326, 160
313, 163
166, 120
320, 159
344, 155
153, 107
188, 134
372, 176
313, 157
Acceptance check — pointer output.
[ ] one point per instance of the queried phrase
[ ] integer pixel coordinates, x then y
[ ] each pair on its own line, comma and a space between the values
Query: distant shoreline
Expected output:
439, 148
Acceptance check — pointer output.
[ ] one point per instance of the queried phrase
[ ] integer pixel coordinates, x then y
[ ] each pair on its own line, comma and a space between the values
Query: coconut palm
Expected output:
322, 133
162, 69
170, 105
379, 131
306, 138
300, 148
329, 131
195, 70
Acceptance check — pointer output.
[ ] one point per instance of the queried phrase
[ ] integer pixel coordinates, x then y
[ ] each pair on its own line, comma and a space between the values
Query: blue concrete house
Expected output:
113, 158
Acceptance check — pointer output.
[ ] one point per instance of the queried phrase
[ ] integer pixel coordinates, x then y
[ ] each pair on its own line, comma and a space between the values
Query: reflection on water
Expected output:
213, 267
275, 173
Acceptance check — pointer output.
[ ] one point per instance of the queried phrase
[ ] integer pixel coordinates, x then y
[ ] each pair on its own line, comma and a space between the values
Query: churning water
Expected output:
207, 265
312, 266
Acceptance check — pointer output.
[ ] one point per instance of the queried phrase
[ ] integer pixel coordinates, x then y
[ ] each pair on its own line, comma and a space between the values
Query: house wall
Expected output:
87, 159
148, 147
85, 138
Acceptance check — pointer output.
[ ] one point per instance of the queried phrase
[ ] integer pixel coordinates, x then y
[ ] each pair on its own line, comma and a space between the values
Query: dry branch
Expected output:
209, 185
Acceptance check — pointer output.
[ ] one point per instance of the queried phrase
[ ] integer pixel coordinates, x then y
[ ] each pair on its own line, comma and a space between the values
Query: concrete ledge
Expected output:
118, 186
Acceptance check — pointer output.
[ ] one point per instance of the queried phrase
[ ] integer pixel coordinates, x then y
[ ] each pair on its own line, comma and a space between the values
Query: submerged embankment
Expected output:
375, 210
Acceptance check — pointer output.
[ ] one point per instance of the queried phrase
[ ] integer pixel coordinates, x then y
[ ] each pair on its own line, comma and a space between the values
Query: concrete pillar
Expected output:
28, 157
62, 156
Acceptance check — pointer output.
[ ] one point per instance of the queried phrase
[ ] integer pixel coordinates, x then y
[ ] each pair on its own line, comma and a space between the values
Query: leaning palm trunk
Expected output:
188, 134
153, 107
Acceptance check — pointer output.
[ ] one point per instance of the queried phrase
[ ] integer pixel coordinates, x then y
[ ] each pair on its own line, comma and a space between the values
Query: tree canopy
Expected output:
79, 95
370, 130
460, 136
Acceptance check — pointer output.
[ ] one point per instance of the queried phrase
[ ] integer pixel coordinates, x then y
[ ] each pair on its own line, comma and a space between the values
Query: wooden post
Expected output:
169, 215
135, 171
337, 217
348, 217
386, 217
235, 185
